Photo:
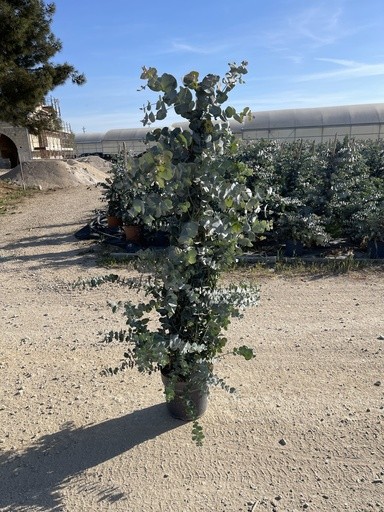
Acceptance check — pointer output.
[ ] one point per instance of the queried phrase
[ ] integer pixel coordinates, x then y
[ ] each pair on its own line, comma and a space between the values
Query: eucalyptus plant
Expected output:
114, 188
367, 225
346, 184
121, 188
316, 192
301, 225
188, 185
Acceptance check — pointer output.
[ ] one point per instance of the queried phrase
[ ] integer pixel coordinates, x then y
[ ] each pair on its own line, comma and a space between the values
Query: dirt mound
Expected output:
95, 161
54, 174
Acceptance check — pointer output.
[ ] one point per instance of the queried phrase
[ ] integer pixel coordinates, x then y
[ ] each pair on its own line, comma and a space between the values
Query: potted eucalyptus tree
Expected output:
188, 185
119, 192
367, 227
300, 228
112, 194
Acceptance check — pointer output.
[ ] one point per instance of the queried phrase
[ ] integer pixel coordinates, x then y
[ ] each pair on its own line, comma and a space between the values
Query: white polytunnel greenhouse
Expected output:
111, 142
320, 124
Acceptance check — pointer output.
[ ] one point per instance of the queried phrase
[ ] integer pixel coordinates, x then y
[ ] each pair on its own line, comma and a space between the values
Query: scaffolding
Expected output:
53, 144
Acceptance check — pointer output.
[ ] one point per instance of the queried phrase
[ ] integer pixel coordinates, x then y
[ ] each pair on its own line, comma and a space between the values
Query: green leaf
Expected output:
184, 207
167, 204
154, 85
190, 80
170, 97
161, 114
244, 351
160, 182
182, 139
237, 227
191, 256
184, 101
197, 433
230, 111
148, 73
188, 232
221, 97
137, 205
168, 82
215, 110
164, 173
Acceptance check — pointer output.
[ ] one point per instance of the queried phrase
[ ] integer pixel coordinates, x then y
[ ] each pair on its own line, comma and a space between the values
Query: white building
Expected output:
18, 145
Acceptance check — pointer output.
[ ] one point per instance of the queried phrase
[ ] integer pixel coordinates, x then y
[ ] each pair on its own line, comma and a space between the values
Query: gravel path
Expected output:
304, 431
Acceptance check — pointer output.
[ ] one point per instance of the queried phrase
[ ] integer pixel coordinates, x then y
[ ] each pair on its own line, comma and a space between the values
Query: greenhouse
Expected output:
317, 124
89, 143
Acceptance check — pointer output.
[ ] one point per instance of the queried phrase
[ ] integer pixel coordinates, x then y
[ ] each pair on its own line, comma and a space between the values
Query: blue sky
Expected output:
301, 53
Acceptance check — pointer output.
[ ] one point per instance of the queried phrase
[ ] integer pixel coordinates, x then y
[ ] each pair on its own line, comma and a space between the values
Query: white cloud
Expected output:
347, 70
295, 99
341, 62
205, 49
184, 47
318, 24
314, 27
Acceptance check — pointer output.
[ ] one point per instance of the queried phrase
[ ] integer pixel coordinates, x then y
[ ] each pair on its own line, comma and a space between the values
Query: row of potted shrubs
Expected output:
316, 193
311, 193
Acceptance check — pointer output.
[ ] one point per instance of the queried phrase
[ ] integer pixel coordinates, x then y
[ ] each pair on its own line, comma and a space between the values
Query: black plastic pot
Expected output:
157, 239
189, 402
376, 249
293, 248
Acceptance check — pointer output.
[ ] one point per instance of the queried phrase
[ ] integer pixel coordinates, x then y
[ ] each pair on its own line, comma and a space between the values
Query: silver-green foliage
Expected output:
188, 185
316, 192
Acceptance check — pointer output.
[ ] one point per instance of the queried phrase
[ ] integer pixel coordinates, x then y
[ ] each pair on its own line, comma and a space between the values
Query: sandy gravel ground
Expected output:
304, 431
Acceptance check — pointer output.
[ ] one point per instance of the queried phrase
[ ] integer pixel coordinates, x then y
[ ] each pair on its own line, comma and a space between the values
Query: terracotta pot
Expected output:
133, 234
177, 407
113, 221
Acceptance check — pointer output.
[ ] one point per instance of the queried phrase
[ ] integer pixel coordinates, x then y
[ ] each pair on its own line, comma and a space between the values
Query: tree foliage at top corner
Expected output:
27, 73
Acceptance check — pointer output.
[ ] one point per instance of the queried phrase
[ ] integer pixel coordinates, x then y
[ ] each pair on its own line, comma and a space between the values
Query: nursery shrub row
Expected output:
315, 193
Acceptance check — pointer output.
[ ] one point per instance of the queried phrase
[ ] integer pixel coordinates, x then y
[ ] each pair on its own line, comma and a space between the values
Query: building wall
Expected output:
20, 138
52, 145
18, 145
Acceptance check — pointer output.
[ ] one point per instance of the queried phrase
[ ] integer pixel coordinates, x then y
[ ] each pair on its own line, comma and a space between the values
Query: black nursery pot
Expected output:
157, 239
293, 248
178, 407
376, 249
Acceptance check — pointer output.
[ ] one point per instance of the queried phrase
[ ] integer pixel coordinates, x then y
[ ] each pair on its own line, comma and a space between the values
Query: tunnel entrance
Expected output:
9, 157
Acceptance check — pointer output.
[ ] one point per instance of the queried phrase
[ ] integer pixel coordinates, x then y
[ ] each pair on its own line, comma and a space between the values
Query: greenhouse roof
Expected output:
314, 117
123, 134
267, 120
89, 137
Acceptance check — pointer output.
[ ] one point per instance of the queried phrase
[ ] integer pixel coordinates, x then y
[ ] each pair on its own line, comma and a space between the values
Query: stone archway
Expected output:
8, 151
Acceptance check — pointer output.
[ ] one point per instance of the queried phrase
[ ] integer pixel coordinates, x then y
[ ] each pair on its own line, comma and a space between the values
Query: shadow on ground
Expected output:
57, 250
34, 478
